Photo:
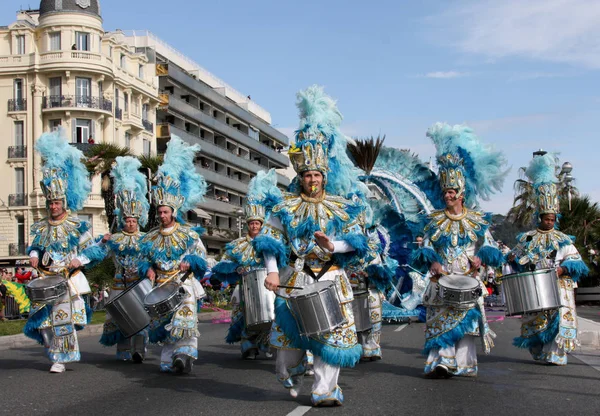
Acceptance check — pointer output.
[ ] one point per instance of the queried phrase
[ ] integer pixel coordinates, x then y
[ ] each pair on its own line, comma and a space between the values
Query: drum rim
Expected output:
254, 270
162, 300
447, 278
330, 283
549, 271
127, 290
60, 281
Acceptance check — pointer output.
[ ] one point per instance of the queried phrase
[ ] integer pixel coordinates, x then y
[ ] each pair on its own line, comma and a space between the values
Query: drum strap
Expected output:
309, 271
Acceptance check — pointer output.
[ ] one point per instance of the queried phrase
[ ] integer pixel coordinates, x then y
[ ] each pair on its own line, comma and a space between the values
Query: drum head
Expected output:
457, 281
161, 293
312, 288
46, 282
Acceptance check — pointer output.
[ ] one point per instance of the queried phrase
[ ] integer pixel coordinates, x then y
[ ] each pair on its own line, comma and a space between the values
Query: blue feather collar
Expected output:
160, 245
446, 230
58, 236
538, 244
125, 244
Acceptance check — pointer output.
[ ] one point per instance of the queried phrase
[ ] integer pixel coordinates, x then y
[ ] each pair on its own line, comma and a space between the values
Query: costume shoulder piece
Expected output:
537, 244
444, 229
63, 235
168, 245
241, 251
125, 243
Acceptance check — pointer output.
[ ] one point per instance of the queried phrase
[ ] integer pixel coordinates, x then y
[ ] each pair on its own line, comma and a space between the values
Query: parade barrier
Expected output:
11, 308
588, 294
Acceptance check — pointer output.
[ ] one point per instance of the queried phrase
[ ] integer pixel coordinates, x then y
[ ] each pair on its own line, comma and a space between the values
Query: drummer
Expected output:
315, 230
172, 249
241, 258
58, 246
548, 335
449, 248
132, 211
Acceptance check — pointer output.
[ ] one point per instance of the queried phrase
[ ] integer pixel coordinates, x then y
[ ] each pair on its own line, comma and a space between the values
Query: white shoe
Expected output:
57, 368
294, 393
268, 354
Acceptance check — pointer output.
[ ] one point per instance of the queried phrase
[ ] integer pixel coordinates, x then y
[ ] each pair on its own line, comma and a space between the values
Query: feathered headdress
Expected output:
261, 190
130, 189
64, 176
465, 164
542, 174
319, 144
178, 185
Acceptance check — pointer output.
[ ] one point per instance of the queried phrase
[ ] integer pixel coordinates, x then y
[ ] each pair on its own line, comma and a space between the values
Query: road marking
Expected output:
400, 328
299, 411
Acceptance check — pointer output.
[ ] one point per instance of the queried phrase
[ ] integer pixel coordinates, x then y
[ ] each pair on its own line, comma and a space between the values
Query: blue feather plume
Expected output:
127, 177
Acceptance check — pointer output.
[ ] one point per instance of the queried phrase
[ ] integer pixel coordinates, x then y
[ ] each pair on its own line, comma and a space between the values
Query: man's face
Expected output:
131, 225
450, 198
419, 241
312, 183
56, 208
165, 215
254, 228
547, 221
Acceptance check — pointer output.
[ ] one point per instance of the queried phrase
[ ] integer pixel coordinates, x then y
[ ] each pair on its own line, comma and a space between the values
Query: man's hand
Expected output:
184, 266
106, 237
436, 269
272, 281
323, 241
34, 261
560, 271
75, 264
151, 274
511, 257
475, 262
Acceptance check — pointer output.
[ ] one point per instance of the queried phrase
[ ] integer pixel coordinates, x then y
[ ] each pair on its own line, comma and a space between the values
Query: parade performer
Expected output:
61, 244
241, 258
316, 230
172, 249
548, 335
467, 170
131, 211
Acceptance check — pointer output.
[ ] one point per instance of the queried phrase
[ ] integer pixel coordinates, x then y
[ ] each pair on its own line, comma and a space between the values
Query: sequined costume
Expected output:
55, 243
549, 335
472, 170
290, 248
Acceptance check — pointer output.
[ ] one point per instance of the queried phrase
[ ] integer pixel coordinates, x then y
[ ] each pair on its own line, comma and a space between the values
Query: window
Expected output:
83, 130
100, 88
82, 41
123, 61
145, 111
20, 46
20, 181
252, 132
146, 147
135, 103
110, 51
141, 71
116, 98
19, 136
55, 41
55, 91
55, 124
21, 232
126, 102
127, 139
18, 90
83, 92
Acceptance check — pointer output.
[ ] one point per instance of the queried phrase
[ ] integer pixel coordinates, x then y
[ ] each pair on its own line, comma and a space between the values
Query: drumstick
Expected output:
289, 287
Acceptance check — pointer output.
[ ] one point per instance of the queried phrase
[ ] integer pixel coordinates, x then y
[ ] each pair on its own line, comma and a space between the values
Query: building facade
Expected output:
59, 69
235, 135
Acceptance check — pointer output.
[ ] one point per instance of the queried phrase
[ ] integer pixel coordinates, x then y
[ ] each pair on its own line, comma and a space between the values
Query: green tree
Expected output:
150, 165
100, 160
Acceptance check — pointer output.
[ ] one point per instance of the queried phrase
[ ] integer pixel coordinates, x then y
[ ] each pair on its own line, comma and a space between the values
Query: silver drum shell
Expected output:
47, 290
317, 308
259, 302
127, 308
531, 292
163, 300
361, 311
459, 291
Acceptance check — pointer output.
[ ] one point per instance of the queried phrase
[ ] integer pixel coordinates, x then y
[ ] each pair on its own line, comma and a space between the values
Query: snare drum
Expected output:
317, 308
361, 311
127, 308
163, 300
47, 290
531, 291
259, 302
459, 291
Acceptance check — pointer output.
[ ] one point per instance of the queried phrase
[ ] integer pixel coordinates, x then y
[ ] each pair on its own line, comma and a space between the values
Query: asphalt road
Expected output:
509, 383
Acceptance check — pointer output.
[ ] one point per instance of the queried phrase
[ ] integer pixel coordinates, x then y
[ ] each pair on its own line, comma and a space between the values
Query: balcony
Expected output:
119, 113
17, 152
71, 101
17, 249
17, 104
17, 200
84, 147
148, 125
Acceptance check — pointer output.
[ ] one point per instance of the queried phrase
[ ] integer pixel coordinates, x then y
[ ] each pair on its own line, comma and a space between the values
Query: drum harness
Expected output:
306, 269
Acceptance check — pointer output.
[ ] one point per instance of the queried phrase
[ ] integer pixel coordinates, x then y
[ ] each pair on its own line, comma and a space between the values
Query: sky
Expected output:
524, 75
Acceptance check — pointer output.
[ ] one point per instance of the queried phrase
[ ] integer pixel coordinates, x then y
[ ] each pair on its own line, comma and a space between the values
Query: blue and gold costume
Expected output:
130, 189
56, 243
549, 335
165, 249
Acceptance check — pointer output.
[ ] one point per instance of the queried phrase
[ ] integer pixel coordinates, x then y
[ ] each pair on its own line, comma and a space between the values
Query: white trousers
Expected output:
326, 375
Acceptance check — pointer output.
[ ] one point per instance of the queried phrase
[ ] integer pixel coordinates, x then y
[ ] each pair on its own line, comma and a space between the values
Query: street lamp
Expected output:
567, 179
240, 214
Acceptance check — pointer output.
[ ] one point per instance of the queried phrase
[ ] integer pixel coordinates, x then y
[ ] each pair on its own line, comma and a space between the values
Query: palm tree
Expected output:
582, 221
100, 160
150, 165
